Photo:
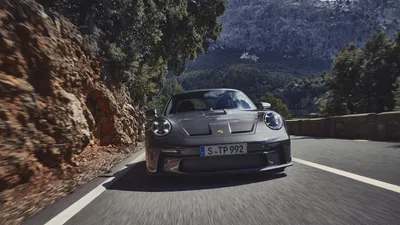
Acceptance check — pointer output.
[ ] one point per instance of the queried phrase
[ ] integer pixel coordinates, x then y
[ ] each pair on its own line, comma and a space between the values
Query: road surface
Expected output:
310, 192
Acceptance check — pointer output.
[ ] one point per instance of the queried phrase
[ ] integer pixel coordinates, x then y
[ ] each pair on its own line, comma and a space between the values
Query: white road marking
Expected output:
360, 140
73, 209
353, 176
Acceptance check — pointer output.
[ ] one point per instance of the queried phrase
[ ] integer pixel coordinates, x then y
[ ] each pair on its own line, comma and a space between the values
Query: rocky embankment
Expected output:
60, 125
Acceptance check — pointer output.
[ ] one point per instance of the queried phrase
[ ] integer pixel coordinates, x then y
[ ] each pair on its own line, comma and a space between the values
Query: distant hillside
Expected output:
295, 36
219, 57
300, 95
311, 29
255, 82
273, 42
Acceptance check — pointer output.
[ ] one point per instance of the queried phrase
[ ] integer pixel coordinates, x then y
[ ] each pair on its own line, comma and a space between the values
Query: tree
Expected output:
171, 87
277, 105
380, 72
140, 40
363, 78
346, 72
397, 94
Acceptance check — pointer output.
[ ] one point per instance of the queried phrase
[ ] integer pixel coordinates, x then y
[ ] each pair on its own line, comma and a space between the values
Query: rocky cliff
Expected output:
55, 112
311, 29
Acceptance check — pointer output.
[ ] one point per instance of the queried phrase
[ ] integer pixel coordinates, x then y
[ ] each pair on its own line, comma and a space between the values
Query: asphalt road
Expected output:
302, 195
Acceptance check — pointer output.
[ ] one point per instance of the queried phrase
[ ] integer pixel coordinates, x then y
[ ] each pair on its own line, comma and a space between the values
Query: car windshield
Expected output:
209, 100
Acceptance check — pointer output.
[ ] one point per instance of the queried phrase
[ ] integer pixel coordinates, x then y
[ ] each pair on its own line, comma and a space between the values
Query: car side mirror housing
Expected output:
264, 105
151, 113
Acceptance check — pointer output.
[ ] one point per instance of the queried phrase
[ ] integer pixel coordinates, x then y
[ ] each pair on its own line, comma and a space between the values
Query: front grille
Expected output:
221, 163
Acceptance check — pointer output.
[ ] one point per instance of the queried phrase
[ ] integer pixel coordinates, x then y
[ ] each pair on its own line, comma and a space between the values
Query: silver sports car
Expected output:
216, 131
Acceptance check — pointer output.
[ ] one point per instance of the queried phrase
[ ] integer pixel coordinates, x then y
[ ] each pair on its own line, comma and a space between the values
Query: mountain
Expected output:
273, 40
305, 29
298, 36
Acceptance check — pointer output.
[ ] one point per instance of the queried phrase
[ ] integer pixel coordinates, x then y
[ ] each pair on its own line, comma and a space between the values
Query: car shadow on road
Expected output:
136, 179
394, 146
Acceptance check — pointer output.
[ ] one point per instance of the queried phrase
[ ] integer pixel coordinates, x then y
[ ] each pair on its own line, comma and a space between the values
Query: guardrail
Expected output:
370, 126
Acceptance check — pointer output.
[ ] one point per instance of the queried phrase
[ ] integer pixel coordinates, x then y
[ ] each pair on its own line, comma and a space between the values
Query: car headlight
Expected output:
273, 120
161, 127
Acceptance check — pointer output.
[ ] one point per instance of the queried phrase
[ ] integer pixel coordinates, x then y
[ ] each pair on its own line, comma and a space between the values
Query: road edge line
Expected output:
353, 176
77, 206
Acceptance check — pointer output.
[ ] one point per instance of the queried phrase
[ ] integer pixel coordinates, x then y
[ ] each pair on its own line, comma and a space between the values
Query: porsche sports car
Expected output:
215, 131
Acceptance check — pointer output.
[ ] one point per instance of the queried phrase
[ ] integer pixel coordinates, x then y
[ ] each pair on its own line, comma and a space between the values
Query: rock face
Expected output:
52, 102
311, 29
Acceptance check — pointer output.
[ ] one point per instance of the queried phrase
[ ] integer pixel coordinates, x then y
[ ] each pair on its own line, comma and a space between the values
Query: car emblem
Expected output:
220, 131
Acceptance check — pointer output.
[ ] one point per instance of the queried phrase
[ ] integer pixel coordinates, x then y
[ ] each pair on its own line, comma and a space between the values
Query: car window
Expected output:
193, 104
243, 101
209, 100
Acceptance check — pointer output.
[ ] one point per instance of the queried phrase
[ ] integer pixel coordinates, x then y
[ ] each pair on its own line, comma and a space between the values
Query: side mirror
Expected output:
264, 105
151, 113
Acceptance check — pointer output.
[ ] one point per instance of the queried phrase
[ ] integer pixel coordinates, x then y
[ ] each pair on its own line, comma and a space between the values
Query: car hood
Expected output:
216, 123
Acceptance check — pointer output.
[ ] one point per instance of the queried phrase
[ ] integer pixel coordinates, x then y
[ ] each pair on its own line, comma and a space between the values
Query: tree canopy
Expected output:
140, 40
170, 88
397, 94
277, 105
363, 79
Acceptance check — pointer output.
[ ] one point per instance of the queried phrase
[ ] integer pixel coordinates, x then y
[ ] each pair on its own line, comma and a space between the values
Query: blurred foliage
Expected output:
301, 95
363, 79
218, 58
277, 105
170, 88
397, 94
138, 41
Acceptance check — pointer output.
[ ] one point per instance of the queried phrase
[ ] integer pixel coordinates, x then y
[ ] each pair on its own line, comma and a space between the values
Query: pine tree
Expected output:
345, 80
397, 92
363, 79
380, 73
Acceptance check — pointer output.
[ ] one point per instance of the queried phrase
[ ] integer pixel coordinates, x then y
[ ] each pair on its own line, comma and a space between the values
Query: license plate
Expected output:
229, 149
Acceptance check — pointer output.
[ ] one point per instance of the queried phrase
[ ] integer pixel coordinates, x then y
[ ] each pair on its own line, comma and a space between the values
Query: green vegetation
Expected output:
271, 61
138, 41
301, 94
298, 94
171, 87
311, 29
363, 79
277, 105
252, 81
397, 94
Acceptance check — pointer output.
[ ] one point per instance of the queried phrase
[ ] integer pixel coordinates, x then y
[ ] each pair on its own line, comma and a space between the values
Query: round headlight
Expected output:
273, 120
161, 127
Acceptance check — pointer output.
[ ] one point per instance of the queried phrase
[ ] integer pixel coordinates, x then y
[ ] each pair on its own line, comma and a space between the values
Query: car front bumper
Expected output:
181, 160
